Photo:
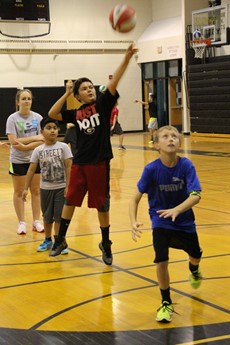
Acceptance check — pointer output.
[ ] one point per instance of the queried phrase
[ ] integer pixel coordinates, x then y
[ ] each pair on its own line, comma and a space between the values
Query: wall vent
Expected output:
61, 46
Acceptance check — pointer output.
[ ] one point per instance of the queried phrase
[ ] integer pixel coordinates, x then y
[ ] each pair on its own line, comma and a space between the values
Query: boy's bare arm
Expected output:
191, 201
112, 85
29, 176
133, 208
142, 102
55, 110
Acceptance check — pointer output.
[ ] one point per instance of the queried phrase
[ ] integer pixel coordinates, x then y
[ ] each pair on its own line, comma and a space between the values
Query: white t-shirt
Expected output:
22, 126
51, 159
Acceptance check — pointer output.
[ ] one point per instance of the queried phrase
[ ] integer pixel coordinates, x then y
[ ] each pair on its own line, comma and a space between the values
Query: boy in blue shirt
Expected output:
173, 188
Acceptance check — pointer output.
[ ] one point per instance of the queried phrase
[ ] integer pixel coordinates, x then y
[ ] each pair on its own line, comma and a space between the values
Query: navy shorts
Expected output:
163, 239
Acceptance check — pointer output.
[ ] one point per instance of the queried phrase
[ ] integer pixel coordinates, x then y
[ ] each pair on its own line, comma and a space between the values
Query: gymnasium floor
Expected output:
76, 299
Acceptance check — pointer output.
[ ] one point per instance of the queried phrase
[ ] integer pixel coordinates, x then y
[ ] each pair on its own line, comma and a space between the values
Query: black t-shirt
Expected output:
92, 124
152, 109
71, 138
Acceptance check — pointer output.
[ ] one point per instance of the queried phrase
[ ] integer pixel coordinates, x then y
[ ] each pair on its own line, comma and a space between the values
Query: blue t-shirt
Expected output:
168, 187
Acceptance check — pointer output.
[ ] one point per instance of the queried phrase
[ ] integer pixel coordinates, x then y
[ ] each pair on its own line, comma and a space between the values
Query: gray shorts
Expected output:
117, 129
52, 202
153, 124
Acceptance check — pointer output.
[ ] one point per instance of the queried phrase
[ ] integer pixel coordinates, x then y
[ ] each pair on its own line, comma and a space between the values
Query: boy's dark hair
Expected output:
78, 83
46, 120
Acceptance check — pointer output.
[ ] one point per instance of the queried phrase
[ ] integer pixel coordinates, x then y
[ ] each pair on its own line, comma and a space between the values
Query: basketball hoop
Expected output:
199, 47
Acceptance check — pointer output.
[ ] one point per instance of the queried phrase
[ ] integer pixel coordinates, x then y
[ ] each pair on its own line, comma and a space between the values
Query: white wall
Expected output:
193, 6
161, 41
75, 19
164, 9
78, 20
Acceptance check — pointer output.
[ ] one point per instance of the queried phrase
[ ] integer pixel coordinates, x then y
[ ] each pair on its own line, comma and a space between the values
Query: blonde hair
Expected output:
169, 128
18, 94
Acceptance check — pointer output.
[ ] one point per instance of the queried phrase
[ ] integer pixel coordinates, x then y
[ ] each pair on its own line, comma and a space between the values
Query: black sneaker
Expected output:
121, 147
107, 256
58, 246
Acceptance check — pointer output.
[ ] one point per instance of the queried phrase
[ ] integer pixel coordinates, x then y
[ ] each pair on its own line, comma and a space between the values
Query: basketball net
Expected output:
199, 47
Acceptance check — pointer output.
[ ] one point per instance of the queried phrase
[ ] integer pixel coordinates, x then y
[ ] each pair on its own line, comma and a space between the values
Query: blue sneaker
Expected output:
46, 245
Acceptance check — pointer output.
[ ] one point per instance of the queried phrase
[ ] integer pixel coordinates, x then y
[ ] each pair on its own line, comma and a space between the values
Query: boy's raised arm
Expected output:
112, 85
55, 110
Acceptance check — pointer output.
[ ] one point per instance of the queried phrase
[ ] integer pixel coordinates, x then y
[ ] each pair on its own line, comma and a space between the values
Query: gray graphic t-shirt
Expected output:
22, 126
52, 163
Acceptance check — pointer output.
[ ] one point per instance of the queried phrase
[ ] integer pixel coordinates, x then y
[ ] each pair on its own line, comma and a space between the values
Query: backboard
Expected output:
212, 22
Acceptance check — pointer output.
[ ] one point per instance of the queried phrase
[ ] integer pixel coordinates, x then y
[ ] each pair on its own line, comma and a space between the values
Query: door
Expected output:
175, 102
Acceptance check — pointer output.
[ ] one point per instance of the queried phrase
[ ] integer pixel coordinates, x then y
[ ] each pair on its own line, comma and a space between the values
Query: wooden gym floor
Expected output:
76, 299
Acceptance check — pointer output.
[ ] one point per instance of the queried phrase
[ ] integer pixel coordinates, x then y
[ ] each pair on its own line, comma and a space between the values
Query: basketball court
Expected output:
76, 299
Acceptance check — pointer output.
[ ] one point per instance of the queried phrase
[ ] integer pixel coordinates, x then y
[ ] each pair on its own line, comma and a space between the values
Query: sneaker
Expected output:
21, 228
46, 245
58, 247
164, 312
121, 147
65, 251
37, 226
195, 279
107, 256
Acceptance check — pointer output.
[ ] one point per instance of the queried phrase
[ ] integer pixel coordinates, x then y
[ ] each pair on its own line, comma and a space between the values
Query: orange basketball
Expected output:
123, 18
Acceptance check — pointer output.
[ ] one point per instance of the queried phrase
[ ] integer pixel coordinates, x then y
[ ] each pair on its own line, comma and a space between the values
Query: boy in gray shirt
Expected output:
55, 159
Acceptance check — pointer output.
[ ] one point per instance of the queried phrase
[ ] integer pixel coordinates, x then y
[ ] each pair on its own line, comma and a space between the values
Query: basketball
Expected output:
123, 18
196, 35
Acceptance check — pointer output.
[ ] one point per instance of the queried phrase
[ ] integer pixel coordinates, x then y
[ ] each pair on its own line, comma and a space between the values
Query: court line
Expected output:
206, 340
47, 319
119, 269
123, 231
42, 322
96, 257
192, 152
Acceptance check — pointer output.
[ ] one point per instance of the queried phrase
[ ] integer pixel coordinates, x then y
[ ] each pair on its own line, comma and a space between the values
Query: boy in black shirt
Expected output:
91, 164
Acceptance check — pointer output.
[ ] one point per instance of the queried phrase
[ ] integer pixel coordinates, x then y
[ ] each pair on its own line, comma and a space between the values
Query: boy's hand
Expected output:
136, 231
171, 212
132, 49
69, 86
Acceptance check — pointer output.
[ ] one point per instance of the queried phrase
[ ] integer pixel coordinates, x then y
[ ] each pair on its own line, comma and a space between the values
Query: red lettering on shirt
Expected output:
86, 112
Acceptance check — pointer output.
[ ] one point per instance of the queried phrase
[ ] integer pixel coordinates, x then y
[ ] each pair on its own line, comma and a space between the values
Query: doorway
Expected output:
163, 79
175, 102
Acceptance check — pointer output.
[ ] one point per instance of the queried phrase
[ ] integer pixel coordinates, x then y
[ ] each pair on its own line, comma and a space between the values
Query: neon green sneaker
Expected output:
164, 312
195, 279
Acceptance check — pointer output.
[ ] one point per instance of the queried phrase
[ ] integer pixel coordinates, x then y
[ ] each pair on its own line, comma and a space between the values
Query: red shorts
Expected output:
93, 179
